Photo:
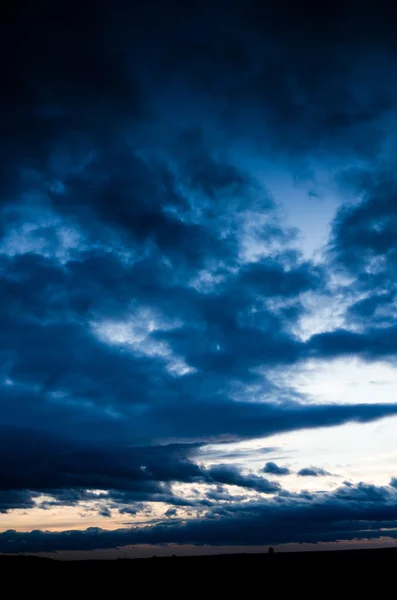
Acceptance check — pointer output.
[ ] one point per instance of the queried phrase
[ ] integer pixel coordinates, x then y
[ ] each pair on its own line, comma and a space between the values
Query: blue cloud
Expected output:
273, 469
312, 472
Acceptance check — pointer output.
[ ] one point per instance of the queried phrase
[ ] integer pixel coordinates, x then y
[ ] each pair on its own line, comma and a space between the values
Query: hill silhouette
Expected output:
319, 573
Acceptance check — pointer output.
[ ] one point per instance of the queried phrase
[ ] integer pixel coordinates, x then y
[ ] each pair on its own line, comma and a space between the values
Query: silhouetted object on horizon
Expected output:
271, 550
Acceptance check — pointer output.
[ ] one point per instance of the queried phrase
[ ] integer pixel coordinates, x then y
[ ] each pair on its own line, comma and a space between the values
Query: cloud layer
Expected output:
152, 292
348, 513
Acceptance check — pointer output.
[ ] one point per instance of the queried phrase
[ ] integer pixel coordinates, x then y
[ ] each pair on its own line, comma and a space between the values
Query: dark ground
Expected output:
314, 574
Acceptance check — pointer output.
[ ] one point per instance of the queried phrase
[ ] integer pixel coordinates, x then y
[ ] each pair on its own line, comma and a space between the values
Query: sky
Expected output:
198, 244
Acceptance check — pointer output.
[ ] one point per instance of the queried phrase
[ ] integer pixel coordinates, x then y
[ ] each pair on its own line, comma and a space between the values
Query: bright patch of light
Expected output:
206, 281
135, 333
255, 243
323, 313
354, 451
342, 381
48, 236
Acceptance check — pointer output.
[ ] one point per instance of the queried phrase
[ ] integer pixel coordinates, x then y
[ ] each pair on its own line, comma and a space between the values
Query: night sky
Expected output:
198, 275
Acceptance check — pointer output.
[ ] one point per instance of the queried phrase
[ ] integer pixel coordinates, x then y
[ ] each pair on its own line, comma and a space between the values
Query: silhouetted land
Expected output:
317, 573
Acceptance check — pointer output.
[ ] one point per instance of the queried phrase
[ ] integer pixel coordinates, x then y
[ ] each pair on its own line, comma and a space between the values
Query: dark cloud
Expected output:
227, 474
362, 492
13, 499
273, 469
134, 509
312, 472
120, 78
220, 493
371, 344
365, 231
363, 243
63, 96
270, 279
45, 463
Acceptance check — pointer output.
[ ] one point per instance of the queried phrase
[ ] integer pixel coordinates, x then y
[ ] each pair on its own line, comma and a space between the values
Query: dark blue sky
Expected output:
198, 244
